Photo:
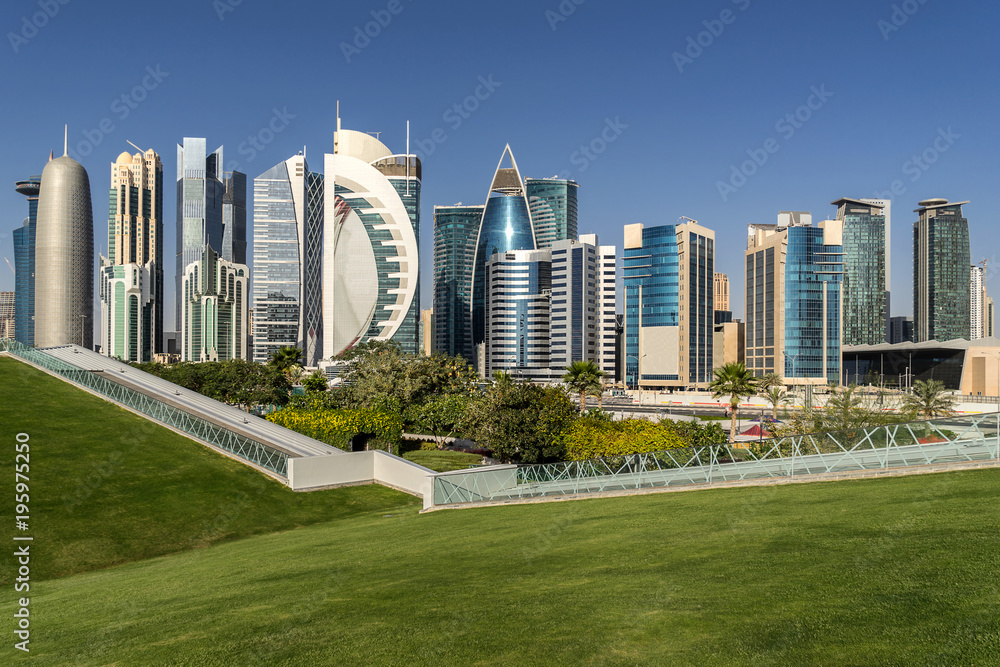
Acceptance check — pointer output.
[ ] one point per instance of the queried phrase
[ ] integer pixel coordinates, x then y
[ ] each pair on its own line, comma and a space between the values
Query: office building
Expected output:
582, 319
518, 302
131, 276
7, 317
24, 264
280, 203
976, 302
941, 253
64, 256
669, 306
207, 199
793, 299
729, 343
554, 209
427, 331
455, 231
721, 283
370, 266
900, 330
866, 271
506, 226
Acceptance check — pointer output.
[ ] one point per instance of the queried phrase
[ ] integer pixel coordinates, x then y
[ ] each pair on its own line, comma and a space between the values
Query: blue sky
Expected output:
648, 105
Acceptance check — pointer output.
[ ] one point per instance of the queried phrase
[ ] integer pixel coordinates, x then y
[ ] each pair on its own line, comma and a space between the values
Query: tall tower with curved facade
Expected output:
371, 232
506, 226
64, 256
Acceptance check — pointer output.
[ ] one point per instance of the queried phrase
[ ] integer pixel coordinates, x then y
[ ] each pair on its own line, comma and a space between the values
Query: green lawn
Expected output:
894, 571
442, 460
108, 487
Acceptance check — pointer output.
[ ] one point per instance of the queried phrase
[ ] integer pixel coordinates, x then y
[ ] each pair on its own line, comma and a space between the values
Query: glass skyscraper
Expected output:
865, 284
669, 305
455, 230
553, 204
941, 257
506, 226
24, 264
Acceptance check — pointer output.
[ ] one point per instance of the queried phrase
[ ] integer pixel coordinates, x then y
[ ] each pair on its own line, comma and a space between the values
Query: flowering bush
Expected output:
338, 427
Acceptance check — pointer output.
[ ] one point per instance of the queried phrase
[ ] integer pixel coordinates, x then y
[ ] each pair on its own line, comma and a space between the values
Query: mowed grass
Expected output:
899, 571
107, 486
442, 460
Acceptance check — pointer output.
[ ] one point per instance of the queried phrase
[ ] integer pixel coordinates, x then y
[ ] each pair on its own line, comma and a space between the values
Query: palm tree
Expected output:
776, 396
929, 400
285, 357
769, 380
735, 381
583, 377
295, 373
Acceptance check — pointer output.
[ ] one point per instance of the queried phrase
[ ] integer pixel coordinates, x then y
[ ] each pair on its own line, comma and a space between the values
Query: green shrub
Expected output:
337, 427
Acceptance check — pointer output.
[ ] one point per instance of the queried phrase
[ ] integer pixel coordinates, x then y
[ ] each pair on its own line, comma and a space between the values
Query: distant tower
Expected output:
506, 226
64, 256
865, 285
553, 204
941, 257
455, 231
24, 263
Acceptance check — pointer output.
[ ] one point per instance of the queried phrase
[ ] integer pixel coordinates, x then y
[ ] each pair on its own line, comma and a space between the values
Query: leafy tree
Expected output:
295, 374
583, 377
929, 399
439, 416
236, 382
735, 381
315, 382
520, 421
285, 357
700, 434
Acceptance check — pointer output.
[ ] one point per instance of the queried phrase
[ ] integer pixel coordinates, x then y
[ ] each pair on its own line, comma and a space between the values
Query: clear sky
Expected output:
650, 106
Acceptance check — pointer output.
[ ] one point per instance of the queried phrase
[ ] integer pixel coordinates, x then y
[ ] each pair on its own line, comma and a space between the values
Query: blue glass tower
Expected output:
24, 264
813, 275
506, 226
455, 230
651, 292
553, 203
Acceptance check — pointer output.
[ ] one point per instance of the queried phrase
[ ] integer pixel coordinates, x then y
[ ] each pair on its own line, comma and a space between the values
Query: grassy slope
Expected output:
442, 460
109, 487
890, 571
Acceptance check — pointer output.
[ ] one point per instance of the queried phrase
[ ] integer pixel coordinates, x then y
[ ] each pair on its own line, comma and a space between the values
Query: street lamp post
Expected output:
638, 361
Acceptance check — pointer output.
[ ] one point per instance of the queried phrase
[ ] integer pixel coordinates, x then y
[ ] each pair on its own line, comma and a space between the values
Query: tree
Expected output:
520, 421
295, 374
776, 396
315, 382
439, 416
929, 400
583, 377
285, 357
735, 381
769, 380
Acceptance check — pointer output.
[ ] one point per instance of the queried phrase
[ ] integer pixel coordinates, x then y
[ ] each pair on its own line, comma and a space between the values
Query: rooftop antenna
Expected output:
407, 158
65, 140
337, 131
10, 265
134, 146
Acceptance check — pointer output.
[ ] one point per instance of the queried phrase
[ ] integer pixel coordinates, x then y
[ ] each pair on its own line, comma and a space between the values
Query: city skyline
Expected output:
608, 122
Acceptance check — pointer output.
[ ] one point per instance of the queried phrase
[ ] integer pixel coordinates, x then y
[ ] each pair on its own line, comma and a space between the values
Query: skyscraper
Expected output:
455, 231
131, 276
370, 273
518, 301
981, 305
280, 203
6, 315
669, 305
64, 256
941, 255
793, 282
553, 205
506, 226
204, 203
24, 264
721, 281
866, 278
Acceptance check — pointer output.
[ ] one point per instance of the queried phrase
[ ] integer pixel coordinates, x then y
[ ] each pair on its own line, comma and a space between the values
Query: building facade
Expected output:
24, 264
941, 253
64, 256
370, 265
721, 284
7, 317
211, 225
900, 329
554, 209
669, 305
866, 277
455, 231
506, 226
793, 299
131, 276
518, 301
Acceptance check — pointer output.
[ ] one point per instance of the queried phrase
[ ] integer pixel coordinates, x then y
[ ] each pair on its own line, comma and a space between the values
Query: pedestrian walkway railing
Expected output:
943, 440
235, 443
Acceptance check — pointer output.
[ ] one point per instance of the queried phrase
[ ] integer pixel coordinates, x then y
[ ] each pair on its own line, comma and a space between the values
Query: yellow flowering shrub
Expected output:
338, 426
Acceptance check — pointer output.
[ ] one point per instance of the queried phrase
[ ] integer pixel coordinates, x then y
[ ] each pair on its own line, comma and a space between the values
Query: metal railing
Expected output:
239, 445
945, 440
